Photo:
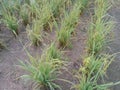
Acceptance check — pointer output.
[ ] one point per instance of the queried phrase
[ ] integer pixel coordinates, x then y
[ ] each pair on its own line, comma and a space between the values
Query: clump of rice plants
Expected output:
45, 15
68, 24
53, 52
35, 32
92, 70
41, 11
9, 15
43, 71
11, 22
55, 6
24, 14
92, 64
100, 28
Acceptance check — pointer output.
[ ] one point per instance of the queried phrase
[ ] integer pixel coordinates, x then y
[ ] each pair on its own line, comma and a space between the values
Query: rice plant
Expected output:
42, 71
55, 6
100, 28
11, 22
64, 37
35, 32
91, 83
24, 14
92, 64
71, 18
45, 15
84, 3
9, 15
92, 70
68, 25
53, 52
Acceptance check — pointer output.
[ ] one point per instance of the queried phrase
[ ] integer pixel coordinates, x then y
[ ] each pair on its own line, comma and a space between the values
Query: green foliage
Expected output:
53, 52
35, 32
24, 14
42, 71
8, 12
11, 22
92, 70
68, 24
99, 30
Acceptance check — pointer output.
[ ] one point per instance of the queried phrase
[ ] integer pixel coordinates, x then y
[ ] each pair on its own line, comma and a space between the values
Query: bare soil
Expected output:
114, 47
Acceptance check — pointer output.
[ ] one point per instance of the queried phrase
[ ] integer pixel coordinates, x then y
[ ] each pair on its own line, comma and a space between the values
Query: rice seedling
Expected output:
92, 64
11, 22
45, 14
41, 11
52, 52
72, 17
99, 29
91, 83
43, 71
9, 13
84, 3
68, 25
55, 6
64, 37
93, 69
35, 32
24, 14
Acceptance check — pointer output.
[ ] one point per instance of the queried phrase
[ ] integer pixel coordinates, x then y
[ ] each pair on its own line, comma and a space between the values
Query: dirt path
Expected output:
114, 70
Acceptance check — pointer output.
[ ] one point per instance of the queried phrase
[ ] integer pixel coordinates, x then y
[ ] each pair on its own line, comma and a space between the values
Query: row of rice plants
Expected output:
8, 15
68, 23
95, 64
45, 69
100, 27
36, 15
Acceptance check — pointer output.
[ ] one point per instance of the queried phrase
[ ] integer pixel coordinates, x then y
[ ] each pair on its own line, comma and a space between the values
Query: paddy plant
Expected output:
68, 25
64, 37
24, 14
42, 71
99, 29
71, 18
52, 52
56, 5
92, 64
11, 22
45, 15
94, 69
41, 10
35, 32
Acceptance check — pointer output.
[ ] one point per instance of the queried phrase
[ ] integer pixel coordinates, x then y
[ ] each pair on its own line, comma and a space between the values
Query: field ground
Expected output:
114, 70
9, 57
15, 51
